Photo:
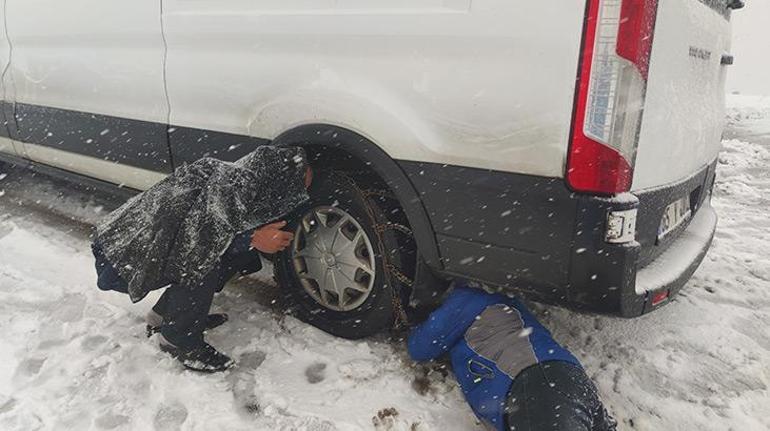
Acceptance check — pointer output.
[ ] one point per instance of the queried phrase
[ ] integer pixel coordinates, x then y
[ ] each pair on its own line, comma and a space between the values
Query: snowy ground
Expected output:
72, 357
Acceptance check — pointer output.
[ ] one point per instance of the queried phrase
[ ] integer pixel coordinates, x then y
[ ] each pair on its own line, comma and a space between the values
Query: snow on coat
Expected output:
177, 230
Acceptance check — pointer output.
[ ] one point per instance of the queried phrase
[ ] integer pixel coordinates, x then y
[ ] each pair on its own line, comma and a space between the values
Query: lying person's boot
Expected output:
155, 320
202, 358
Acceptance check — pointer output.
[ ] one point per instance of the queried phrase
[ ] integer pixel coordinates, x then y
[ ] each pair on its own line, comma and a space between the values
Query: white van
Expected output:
564, 150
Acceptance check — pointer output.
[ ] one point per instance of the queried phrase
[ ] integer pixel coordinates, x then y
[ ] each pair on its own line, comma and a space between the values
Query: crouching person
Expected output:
513, 374
191, 233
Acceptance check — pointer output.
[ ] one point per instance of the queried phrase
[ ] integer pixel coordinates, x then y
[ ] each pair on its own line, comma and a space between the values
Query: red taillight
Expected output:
659, 297
637, 22
612, 80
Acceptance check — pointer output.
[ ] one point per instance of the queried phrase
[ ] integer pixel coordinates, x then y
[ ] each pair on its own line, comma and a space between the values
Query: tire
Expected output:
358, 314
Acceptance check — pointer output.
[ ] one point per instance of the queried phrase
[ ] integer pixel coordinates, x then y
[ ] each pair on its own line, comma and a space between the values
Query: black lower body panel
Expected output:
532, 235
143, 144
501, 228
130, 142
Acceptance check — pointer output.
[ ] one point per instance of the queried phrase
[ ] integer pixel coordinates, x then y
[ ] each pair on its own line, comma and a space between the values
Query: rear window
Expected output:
719, 6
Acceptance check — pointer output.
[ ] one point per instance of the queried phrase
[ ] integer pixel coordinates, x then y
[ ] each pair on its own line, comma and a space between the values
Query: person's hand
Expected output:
270, 238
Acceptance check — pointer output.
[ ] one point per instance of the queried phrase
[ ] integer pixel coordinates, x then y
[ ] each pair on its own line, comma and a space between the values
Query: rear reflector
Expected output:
612, 80
659, 297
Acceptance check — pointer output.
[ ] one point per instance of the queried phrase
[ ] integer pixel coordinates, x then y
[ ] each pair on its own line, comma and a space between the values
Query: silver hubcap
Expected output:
333, 258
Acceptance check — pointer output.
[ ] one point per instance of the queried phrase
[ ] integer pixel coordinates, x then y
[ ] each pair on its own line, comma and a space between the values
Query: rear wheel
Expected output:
346, 270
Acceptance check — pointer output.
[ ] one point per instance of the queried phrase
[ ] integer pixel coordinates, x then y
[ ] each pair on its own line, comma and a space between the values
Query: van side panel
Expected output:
482, 83
6, 94
104, 57
88, 80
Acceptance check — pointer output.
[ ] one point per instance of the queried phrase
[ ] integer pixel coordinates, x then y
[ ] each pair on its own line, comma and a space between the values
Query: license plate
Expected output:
674, 215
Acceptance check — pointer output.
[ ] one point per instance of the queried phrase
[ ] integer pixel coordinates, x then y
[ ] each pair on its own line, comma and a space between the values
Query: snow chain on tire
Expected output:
393, 272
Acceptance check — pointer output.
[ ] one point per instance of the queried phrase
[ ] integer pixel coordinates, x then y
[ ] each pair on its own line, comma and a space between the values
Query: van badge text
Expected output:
700, 53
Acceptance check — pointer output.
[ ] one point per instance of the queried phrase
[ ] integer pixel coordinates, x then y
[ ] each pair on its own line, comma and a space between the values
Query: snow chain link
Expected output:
392, 270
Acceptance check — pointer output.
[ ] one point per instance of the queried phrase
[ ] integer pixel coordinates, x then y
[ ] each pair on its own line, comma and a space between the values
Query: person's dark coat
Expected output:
176, 231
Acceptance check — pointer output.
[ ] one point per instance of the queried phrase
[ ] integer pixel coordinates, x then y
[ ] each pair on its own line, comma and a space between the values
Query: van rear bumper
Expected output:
671, 270
532, 236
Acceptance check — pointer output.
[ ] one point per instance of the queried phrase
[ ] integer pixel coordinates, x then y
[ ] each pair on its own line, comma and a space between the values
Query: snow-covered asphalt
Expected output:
72, 357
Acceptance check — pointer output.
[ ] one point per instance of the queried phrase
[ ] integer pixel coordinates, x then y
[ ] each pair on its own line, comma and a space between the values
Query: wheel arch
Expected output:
319, 136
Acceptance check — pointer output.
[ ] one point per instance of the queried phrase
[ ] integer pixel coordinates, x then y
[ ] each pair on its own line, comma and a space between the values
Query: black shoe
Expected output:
203, 358
212, 321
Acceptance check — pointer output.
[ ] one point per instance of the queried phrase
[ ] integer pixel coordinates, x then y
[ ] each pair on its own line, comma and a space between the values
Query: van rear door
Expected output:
684, 106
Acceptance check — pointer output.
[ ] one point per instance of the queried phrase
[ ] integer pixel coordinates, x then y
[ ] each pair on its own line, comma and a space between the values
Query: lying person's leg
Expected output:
555, 396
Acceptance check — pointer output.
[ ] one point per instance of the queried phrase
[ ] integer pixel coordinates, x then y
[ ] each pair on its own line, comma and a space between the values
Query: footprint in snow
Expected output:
6, 404
250, 361
51, 344
316, 373
91, 343
170, 417
360, 369
29, 367
314, 424
385, 419
242, 383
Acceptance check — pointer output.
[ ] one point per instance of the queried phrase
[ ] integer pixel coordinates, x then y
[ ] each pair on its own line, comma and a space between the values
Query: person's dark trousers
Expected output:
553, 396
185, 308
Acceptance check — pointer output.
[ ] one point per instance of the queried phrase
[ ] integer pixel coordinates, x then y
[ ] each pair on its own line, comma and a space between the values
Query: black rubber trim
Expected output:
505, 229
189, 144
384, 166
6, 115
602, 275
142, 144
531, 235
131, 142
136, 143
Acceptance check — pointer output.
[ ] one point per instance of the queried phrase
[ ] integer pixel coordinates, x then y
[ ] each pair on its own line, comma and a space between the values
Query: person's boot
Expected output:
202, 358
155, 320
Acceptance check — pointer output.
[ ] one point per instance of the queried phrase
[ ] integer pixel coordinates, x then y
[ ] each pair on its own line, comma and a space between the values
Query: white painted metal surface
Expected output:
684, 111
116, 173
7, 146
100, 56
482, 83
6, 89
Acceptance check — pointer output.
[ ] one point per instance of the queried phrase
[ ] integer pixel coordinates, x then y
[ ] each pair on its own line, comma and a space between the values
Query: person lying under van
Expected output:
513, 374
191, 233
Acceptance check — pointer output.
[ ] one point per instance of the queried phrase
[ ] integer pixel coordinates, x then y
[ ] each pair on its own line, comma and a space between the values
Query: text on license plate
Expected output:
675, 214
